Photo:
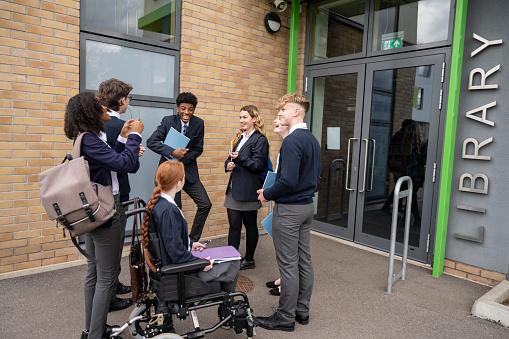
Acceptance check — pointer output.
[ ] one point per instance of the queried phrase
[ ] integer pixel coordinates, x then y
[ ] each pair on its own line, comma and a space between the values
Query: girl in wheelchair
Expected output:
171, 227
181, 284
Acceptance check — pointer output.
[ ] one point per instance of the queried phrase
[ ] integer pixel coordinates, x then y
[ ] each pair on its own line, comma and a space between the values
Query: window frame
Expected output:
101, 31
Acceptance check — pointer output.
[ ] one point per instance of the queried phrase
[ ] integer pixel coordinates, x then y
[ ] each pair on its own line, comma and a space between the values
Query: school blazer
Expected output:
195, 133
113, 129
245, 179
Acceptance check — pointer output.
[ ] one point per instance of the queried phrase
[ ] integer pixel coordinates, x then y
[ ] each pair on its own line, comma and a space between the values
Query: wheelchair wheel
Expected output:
167, 336
133, 327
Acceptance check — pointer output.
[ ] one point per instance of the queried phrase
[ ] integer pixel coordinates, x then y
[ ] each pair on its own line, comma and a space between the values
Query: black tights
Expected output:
236, 218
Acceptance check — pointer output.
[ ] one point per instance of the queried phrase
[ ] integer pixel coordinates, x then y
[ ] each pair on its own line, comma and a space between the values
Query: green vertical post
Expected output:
293, 47
444, 198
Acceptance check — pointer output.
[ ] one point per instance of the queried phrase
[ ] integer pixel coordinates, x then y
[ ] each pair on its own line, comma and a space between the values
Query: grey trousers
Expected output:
103, 246
226, 273
291, 226
123, 223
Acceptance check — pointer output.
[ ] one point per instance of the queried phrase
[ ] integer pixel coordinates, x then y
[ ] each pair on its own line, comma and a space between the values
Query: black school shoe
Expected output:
123, 289
271, 284
275, 323
275, 291
247, 264
118, 304
303, 320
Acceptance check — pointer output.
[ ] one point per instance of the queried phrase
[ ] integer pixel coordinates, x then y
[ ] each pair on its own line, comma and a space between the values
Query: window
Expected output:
337, 28
403, 23
147, 19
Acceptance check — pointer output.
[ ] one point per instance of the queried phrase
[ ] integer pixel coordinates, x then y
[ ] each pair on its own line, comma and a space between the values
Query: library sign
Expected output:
478, 231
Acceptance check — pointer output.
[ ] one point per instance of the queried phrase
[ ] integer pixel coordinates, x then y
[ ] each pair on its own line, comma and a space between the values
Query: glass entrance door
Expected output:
399, 138
376, 122
335, 122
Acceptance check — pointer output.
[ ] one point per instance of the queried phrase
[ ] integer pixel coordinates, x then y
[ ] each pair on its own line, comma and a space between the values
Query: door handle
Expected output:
348, 165
372, 166
365, 166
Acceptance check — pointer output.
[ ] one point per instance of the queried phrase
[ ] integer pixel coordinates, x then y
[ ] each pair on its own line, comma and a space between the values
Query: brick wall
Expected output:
474, 273
227, 58
39, 48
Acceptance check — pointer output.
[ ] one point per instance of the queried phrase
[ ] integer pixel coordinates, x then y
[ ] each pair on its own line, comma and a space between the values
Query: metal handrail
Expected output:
391, 277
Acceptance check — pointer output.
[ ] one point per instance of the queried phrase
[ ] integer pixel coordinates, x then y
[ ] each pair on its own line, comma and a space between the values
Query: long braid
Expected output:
156, 194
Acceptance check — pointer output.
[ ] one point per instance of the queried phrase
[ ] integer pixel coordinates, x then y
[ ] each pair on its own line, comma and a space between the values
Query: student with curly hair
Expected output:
171, 228
84, 114
246, 162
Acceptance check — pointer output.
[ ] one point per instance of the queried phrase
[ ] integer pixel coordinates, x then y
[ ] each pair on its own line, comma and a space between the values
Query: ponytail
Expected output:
156, 194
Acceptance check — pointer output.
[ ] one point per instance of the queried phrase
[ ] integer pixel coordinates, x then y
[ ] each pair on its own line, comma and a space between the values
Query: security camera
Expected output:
279, 5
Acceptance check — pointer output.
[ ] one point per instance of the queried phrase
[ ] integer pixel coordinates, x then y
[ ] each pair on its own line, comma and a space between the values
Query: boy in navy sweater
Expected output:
294, 189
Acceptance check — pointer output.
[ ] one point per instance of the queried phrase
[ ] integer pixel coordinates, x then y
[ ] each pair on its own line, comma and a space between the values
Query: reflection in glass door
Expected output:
335, 121
400, 128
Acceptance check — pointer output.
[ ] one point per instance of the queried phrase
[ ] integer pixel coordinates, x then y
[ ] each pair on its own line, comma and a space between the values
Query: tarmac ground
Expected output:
348, 300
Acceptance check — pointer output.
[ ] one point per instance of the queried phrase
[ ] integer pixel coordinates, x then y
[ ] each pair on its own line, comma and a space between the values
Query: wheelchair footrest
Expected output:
197, 334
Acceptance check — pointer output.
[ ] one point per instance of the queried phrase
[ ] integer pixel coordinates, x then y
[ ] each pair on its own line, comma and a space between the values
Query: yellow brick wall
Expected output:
39, 71
227, 59
473, 273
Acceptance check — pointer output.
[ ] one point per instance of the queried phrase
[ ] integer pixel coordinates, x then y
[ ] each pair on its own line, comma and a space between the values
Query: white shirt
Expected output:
172, 201
114, 179
244, 139
301, 125
115, 114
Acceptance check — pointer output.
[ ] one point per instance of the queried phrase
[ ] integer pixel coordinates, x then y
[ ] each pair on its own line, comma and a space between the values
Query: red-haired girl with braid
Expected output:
171, 227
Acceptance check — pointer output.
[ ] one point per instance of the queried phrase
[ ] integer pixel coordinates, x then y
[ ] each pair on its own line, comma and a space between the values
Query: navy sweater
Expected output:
299, 170
171, 228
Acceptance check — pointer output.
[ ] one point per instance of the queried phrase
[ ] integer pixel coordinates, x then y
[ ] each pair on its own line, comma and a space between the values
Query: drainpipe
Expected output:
293, 46
451, 122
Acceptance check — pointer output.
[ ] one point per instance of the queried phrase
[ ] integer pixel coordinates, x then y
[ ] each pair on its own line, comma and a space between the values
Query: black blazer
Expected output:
103, 159
195, 133
171, 228
112, 129
246, 179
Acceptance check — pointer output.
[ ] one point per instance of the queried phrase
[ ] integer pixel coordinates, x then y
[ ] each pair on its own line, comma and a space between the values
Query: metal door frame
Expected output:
427, 219
360, 69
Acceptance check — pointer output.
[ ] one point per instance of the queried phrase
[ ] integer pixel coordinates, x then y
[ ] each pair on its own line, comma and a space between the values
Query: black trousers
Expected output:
200, 197
248, 218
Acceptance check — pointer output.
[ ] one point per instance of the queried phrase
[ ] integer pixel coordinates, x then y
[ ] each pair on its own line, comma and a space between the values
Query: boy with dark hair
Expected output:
193, 127
115, 96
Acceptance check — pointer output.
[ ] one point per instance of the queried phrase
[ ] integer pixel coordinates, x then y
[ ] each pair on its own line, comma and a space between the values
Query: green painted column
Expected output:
444, 198
293, 47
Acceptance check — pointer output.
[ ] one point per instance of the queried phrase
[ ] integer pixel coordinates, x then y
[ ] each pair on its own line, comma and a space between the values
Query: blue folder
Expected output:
267, 224
270, 179
175, 139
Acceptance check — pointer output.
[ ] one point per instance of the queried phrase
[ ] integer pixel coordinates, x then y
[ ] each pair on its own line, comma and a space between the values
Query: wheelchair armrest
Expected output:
185, 267
135, 211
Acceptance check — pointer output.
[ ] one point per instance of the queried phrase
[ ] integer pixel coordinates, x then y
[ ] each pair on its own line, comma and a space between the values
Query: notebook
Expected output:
267, 224
219, 254
175, 139
270, 179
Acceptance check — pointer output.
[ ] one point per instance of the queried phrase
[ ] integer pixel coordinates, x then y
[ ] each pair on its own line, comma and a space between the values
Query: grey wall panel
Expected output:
489, 20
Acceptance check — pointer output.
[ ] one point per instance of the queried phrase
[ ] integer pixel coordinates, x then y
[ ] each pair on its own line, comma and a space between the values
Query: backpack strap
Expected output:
76, 148
78, 247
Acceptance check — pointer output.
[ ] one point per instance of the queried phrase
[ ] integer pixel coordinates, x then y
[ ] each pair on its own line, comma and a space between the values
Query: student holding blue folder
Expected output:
193, 128
246, 162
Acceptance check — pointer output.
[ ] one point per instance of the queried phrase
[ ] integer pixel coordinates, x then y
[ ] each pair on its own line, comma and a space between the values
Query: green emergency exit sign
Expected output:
392, 41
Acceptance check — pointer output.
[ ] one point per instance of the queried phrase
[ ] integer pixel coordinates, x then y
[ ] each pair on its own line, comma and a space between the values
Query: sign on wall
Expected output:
478, 232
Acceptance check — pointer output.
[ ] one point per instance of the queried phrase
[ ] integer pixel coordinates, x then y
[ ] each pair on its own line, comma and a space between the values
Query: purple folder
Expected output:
219, 254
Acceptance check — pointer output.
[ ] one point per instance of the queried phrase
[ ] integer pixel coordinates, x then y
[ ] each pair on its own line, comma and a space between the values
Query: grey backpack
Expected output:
70, 198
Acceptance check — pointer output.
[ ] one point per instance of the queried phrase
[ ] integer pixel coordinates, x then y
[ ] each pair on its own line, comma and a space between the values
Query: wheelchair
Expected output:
172, 292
